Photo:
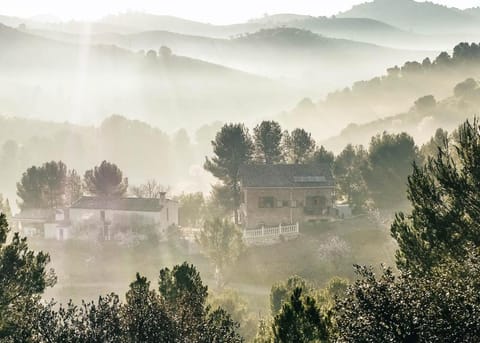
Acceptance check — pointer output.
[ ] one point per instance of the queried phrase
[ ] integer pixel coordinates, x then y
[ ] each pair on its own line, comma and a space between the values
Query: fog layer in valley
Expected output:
185, 107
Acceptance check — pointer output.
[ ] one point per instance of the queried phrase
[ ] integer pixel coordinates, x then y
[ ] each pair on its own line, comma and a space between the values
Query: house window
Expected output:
294, 204
102, 215
266, 202
316, 202
315, 205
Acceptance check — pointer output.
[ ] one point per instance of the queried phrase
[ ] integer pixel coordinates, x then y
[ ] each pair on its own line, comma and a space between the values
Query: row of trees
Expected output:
53, 185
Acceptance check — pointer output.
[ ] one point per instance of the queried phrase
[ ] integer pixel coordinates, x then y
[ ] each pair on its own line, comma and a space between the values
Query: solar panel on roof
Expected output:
309, 179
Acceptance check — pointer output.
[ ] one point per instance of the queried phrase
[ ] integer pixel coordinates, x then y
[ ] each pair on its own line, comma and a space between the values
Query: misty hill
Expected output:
389, 94
358, 29
422, 17
421, 120
142, 151
283, 52
49, 79
352, 28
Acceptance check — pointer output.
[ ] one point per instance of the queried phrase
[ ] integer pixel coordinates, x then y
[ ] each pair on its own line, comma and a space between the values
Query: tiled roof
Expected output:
35, 214
286, 175
119, 204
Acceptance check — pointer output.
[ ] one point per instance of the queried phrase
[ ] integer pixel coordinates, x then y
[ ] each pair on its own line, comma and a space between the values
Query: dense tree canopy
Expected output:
349, 179
23, 275
389, 162
445, 200
267, 142
299, 146
44, 186
105, 180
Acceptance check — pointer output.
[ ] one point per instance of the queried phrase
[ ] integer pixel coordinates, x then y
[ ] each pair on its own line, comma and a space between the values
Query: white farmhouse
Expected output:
114, 217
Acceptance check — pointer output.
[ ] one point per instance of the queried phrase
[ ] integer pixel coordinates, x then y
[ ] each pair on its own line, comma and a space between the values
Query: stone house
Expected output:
283, 194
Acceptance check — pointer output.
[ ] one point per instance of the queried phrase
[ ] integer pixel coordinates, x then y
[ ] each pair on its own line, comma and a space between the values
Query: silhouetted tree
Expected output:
232, 147
425, 103
268, 142
323, 156
390, 160
43, 187
165, 52
191, 207
5, 207
299, 320
299, 145
23, 276
466, 88
151, 189
105, 180
439, 140
349, 178
222, 242
73, 188
437, 307
445, 200
55, 179
144, 316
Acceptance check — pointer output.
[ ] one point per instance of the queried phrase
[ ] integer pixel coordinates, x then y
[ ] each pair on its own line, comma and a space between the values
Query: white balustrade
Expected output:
270, 233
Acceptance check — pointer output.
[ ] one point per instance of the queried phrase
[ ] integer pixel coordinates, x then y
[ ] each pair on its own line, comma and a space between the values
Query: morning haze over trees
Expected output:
287, 178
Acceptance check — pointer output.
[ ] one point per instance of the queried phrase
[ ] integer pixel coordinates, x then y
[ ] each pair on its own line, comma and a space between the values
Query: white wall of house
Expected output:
163, 219
58, 232
169, 214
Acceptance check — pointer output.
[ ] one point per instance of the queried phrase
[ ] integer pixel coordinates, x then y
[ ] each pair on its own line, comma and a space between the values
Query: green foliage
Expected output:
191, 208
349, 178
445, 200
281, 291
222, 242
389, 163
440, 307
267, 142
299, 320
323, 156
299, 146
298, 295
23, 275
232, 147
220, 203
145, 318
176, 314
185, 297
439, 140
236, 306
105, 180
5, 207
43, 187
73, 188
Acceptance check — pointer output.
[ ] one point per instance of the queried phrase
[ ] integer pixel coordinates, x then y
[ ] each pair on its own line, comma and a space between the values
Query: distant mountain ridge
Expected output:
45, 78
421, 17
359, 29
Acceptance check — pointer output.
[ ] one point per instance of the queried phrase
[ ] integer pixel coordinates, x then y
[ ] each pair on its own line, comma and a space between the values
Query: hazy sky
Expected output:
213, 11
